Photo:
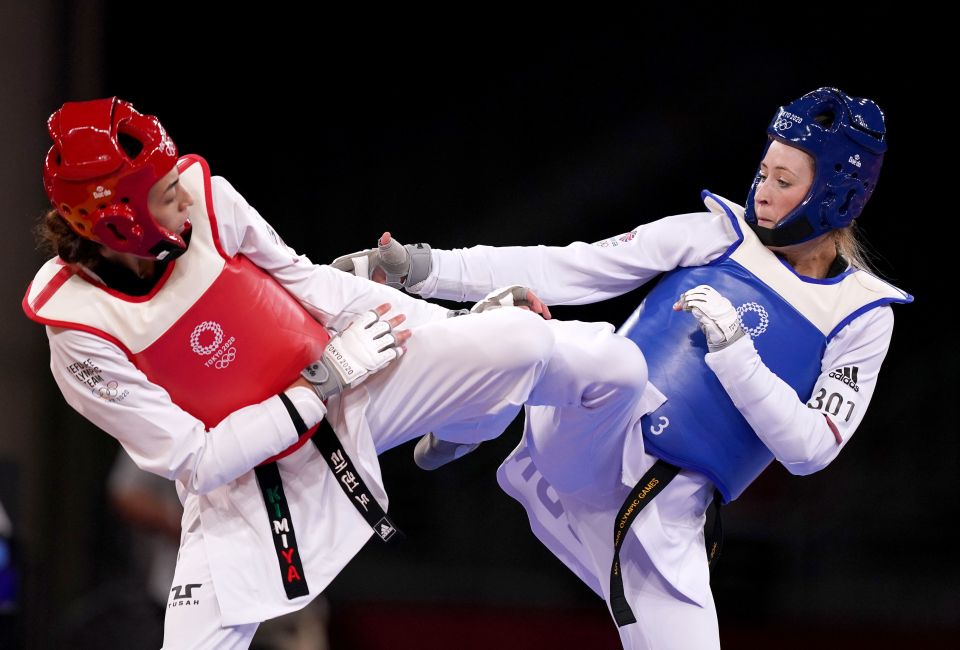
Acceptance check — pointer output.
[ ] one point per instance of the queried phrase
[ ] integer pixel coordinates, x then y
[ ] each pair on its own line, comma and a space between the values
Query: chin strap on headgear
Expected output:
105, 158
846, 137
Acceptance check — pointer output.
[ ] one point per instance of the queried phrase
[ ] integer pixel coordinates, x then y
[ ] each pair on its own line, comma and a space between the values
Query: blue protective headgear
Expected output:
846, 137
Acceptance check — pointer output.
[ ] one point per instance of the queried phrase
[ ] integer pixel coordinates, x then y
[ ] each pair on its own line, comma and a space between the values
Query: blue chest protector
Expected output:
698, 427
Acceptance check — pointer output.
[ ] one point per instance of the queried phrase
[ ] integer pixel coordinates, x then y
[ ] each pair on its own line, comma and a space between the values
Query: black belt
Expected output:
281, 525
352, 484
350, 481
642, 493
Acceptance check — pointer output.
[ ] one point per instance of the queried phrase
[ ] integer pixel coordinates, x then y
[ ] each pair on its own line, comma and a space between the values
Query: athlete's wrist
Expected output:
322, 378
307, 402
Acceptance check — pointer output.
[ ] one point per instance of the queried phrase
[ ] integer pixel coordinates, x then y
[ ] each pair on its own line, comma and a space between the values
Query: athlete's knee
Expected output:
628, 367
516, 338
614, 363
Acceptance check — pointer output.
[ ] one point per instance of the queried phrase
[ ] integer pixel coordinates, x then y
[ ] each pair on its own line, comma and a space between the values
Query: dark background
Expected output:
479, 125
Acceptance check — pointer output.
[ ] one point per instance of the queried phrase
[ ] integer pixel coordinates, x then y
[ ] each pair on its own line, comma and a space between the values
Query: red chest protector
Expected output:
217, 332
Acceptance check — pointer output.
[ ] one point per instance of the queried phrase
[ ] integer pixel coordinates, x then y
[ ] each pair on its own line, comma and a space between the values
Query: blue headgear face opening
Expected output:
846, 137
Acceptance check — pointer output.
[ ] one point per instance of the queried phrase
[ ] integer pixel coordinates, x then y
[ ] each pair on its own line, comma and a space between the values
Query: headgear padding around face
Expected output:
105, 158
846, 137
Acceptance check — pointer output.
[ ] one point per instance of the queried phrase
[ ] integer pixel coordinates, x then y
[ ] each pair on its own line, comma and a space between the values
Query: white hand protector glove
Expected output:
366, 346
512, 296
405, 266
717, 317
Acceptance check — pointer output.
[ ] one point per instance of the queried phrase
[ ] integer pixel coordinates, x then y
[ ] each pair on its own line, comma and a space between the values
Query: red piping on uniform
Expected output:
46, 294
833, 427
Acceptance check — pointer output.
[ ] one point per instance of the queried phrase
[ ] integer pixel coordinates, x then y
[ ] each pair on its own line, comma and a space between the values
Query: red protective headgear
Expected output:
98, 188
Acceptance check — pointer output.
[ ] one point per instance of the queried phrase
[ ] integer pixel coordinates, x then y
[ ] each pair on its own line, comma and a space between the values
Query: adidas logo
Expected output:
855, 160
848, 375
384, 529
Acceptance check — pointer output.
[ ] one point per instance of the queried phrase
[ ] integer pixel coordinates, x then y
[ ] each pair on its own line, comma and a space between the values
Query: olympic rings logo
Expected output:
167, 146
782, 124
110, 391
206, 326
225, 360
758, 309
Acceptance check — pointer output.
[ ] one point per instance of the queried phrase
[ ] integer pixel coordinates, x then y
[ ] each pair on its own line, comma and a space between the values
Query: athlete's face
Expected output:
786, 174
169, 202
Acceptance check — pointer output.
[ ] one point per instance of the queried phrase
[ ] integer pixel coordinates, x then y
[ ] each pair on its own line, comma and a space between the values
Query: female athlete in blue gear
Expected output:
763, 339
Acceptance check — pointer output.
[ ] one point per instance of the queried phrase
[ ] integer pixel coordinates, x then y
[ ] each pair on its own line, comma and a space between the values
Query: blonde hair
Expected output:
852, 248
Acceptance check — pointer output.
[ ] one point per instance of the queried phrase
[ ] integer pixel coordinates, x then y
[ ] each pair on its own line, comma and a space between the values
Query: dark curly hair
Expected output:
55, 237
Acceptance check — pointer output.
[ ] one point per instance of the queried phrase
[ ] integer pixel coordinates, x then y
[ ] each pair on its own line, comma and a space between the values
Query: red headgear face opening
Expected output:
105, 158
